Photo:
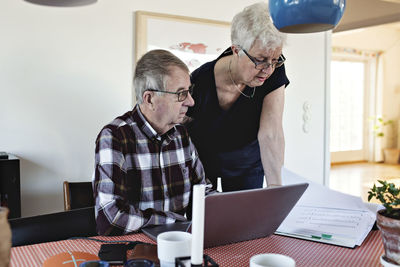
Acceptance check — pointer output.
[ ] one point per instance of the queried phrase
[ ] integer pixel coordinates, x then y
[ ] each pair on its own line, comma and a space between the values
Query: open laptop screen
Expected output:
241, 215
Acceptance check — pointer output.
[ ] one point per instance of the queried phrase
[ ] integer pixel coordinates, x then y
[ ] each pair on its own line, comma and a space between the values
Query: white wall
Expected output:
391, 95
306, 130
66, 72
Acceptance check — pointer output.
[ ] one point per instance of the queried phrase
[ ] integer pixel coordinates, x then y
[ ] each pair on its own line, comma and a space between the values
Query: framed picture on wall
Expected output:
194, 40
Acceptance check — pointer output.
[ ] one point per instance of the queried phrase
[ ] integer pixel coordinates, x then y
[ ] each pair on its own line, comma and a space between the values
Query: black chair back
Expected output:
78, 195
53, 227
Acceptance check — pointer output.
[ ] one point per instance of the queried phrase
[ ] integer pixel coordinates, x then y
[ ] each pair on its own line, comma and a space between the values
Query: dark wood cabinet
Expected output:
10, 189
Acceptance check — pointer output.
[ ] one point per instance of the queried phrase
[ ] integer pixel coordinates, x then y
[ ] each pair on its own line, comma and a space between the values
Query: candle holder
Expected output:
183, 261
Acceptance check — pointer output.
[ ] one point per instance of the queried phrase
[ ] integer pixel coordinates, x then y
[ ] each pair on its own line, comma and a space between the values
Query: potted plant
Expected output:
388, 219
390, 155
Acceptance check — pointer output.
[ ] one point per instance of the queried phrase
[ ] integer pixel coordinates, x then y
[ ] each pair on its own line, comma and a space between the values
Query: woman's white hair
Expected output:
254, 23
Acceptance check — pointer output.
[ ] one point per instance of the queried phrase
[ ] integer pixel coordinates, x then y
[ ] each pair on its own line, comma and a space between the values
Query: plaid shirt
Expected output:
142, 178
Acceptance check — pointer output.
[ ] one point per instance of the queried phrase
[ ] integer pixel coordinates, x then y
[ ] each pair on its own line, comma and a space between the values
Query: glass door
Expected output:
348, 131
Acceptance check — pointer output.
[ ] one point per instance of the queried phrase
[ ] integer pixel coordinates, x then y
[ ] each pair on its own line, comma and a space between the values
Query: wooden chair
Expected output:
53, 227
77, 195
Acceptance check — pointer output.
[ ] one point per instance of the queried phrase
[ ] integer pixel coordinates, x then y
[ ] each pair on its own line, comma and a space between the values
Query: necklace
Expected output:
236, 86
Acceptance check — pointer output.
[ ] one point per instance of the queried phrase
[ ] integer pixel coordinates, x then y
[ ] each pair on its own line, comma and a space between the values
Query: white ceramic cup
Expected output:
171, 245
271, 260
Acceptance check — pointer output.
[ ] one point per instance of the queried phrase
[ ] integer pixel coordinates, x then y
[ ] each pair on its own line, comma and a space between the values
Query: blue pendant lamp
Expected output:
306, 16
62, 3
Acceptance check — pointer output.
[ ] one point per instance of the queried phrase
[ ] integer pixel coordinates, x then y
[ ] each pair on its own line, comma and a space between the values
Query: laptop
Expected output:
240, 215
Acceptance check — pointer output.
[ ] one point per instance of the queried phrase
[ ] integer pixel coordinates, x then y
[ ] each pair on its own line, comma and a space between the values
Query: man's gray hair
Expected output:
254, 23
152, 69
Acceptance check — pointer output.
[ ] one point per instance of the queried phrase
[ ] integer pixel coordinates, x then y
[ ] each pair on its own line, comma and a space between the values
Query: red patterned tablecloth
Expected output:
305, 253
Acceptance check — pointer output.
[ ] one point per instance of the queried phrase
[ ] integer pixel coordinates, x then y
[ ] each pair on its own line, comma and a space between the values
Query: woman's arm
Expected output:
270, 136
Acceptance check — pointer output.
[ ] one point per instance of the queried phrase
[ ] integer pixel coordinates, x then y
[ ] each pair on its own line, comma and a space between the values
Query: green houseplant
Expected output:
388, 219
391, 155
380, 125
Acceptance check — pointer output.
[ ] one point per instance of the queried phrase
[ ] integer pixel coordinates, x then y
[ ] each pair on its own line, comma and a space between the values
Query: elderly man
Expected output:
146, 164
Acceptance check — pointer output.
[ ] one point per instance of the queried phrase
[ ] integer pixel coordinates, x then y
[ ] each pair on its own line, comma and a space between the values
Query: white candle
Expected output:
198, 224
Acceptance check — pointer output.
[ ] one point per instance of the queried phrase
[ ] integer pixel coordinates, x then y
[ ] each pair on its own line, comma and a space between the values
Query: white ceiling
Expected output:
376, 38
365, 13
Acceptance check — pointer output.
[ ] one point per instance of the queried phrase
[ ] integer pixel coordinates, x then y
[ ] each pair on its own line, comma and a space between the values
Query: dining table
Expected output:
304, 252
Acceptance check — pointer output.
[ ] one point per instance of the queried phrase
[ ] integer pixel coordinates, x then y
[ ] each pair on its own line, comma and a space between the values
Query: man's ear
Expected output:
235, 49
148, 99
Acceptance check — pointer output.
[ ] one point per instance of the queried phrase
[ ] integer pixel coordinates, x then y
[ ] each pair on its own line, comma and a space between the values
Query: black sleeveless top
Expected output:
214, 130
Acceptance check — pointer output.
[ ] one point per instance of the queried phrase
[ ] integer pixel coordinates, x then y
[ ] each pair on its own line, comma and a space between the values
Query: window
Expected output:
347, 109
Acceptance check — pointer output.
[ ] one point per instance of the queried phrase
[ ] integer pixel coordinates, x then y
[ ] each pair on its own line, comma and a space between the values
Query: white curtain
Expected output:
377, 143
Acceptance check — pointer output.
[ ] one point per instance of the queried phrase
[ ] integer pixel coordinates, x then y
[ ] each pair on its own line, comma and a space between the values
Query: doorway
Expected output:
349, 108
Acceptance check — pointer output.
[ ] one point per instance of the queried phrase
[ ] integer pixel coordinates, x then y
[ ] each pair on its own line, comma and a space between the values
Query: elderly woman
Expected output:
239, 97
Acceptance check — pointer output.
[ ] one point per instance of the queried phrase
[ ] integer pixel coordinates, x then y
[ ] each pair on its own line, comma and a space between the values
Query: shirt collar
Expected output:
227, 52
148, 130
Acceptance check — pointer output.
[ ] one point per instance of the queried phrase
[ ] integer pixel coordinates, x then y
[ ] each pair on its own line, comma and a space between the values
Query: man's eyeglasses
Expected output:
260, 65
182, 95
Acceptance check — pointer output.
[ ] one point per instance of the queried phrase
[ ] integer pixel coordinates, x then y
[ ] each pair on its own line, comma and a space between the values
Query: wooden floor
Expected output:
357, 178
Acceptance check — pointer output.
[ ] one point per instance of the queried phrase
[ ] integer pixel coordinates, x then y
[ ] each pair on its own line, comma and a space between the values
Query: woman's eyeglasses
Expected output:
182, 95
260, 65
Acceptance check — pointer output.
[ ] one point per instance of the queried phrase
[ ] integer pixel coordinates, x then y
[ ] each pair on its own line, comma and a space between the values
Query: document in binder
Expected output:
327, 216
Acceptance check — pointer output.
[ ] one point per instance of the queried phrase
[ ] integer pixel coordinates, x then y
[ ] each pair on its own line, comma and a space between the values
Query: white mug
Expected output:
272, 260
171, 245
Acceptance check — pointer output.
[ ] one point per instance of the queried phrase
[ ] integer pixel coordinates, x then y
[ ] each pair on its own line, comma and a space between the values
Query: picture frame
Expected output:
194, 40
